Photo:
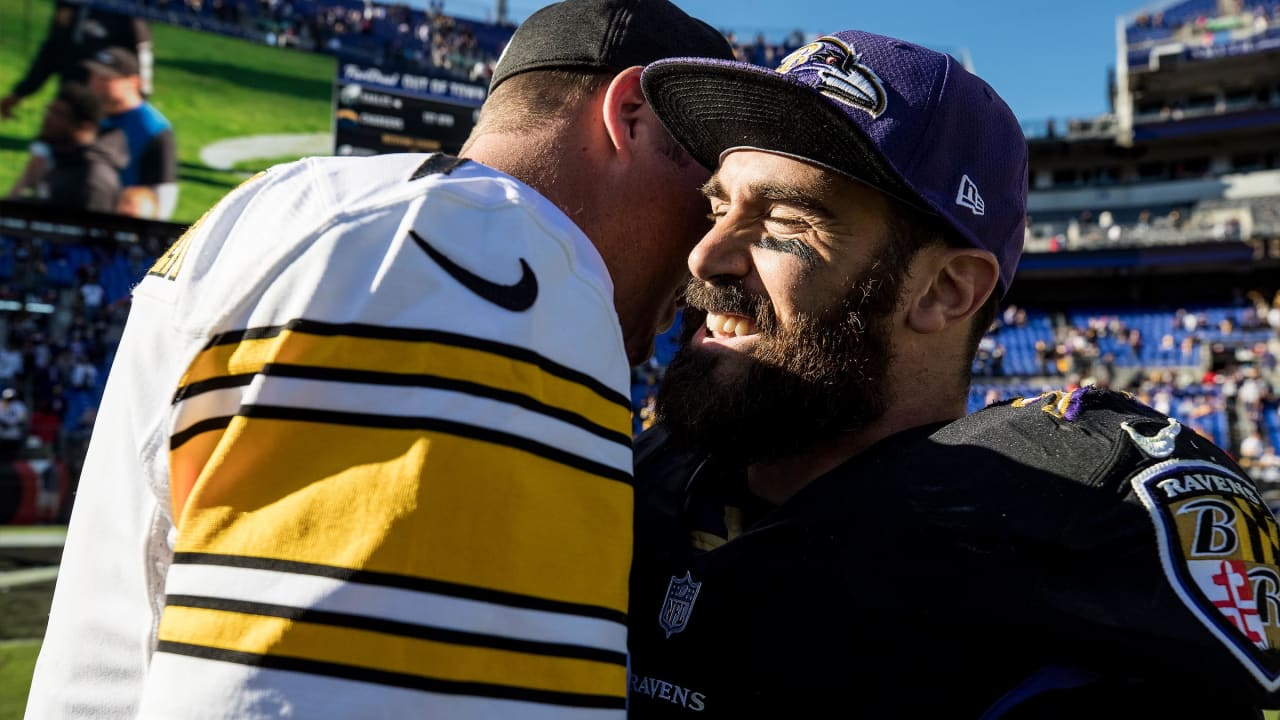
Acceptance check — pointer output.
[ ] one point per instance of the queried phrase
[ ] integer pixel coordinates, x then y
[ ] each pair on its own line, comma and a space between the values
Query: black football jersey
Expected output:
1069, 555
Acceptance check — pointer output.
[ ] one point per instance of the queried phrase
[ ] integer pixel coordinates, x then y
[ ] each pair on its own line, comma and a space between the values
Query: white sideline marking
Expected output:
224, 154
28, 576
38, 539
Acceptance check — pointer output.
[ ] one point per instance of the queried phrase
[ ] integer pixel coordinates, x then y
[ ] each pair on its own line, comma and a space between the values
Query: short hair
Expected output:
535, 99
81, 102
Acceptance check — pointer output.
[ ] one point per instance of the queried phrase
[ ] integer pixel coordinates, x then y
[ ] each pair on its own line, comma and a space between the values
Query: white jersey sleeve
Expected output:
364, 452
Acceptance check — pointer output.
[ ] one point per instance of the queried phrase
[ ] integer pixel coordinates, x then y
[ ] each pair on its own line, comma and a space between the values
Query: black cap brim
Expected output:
104, 69
711, 106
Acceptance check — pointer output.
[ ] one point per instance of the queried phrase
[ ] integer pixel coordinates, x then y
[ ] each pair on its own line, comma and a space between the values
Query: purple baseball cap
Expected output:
907, 120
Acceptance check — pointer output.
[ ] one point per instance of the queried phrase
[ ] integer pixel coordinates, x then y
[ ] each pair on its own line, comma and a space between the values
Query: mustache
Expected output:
702, 298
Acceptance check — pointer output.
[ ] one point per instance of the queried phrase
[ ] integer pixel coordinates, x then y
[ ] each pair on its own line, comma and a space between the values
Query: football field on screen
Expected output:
211, 88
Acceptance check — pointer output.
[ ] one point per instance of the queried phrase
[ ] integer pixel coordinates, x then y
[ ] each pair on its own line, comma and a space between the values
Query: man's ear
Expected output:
955, 283
626, 113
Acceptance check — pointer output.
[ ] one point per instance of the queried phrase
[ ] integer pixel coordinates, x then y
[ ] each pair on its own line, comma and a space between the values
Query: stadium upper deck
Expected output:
1190, 153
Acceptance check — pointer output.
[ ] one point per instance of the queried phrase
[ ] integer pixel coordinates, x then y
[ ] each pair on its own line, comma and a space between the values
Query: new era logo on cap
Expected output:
969, 197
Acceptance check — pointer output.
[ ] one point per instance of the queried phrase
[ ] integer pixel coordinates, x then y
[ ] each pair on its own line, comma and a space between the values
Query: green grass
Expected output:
25, 612
17, 662
210, 87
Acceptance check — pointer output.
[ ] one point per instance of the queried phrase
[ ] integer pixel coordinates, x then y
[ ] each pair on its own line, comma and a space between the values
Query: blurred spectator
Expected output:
648, 413
14, 424
11, 363
1268, 466
83, 375
1009, 315
1251, 449
71, 165
46, 425
79, 432
91, 292
153, 156
78, 31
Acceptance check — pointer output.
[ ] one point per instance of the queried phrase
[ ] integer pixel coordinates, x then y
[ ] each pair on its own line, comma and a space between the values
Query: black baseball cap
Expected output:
608, 36
114, 61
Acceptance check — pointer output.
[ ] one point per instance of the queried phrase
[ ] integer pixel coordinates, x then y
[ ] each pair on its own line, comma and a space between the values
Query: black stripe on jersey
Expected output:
395, 679
402, 582
434, 382
214, 423
400, 422
382, 332
400, 628
217, 383
437, 164
429, 424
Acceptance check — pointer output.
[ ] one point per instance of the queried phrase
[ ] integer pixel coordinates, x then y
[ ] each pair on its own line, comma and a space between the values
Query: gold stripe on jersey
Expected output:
168, 264
185, 467
424, 504
275, 636
407, 358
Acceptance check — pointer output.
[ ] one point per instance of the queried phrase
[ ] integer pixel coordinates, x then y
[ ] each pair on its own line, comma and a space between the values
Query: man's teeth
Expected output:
730, 325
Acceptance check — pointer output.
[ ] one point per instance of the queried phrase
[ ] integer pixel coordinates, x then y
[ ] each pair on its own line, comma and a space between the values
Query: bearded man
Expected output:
821, 530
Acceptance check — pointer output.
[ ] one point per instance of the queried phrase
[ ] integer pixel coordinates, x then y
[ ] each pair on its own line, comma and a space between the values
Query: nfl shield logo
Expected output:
681, 592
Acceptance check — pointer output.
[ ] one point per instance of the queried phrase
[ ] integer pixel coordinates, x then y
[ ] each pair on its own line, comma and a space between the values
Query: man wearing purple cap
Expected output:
821, 528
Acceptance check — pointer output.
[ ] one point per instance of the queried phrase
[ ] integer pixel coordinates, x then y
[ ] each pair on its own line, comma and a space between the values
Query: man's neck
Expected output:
563, 176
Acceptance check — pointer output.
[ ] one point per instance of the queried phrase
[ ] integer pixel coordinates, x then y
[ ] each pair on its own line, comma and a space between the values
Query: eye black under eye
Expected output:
791, 247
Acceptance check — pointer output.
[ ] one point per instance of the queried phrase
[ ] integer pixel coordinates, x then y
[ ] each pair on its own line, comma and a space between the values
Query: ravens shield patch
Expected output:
1220, 545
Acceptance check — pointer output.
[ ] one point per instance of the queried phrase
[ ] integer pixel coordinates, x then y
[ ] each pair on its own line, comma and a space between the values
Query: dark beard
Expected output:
816, 378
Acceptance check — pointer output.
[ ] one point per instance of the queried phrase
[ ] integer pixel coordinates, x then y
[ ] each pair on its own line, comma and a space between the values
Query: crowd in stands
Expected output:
393, 36
1208, 220
1200, 19
62, 311
1215, 369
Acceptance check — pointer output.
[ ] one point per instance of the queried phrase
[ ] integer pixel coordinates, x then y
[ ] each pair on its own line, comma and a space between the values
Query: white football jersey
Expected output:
364, 452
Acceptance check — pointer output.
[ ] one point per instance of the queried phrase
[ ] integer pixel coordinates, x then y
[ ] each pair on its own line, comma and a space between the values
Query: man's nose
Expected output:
722, 253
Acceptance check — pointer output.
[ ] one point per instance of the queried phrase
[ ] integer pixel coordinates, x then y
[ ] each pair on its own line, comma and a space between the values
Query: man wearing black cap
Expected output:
114, 75
78, 30
365, 447
820, 529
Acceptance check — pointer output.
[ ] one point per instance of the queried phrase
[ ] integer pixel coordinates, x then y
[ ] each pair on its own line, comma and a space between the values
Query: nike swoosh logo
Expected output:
516, 298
